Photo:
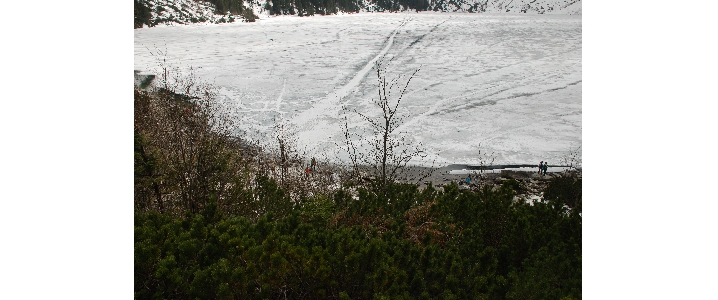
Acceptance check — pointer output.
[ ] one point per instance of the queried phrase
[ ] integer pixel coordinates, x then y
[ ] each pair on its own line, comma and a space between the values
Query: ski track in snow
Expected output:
279, 99
434, 110
323, 115
492, 102
417, 40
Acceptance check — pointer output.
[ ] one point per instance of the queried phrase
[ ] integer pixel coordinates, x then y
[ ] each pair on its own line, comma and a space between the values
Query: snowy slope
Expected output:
508, 6
176, 12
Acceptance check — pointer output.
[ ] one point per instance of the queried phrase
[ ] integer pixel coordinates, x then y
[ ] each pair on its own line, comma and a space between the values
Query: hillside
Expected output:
218, 218
174, 12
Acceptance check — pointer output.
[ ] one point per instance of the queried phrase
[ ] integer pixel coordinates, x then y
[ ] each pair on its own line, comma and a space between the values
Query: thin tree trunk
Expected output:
158, 194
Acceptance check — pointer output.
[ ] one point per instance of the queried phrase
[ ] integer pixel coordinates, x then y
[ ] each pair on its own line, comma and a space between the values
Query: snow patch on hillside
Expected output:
178, 12
509, 6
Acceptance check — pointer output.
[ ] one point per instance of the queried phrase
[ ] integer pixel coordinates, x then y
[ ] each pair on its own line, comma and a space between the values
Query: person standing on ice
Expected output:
540, 167
545, 167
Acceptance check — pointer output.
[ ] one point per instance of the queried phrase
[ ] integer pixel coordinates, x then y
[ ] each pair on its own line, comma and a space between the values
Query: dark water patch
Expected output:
143, 80
495, 167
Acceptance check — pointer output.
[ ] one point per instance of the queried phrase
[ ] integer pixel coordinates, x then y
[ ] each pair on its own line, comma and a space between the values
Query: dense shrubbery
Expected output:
463, 245
211, 221
565, 190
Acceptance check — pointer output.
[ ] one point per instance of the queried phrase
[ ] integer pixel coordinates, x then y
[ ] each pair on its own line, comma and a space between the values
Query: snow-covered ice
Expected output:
501, 83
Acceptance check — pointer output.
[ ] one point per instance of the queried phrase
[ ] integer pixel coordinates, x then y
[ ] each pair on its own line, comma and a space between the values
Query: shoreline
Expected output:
532, 183
459, 172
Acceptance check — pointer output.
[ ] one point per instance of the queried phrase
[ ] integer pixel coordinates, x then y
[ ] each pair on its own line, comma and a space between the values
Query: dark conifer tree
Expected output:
142, 14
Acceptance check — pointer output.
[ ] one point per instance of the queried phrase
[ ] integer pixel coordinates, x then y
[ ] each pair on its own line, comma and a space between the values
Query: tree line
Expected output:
324, 7
237, 8
143, 16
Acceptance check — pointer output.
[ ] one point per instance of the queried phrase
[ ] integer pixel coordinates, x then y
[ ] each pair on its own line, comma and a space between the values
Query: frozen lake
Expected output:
509, 82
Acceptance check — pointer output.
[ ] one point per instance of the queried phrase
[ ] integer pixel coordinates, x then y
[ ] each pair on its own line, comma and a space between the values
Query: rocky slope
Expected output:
175, 12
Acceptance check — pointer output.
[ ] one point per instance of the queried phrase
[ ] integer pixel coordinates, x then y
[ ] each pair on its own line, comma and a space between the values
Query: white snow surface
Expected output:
507, 84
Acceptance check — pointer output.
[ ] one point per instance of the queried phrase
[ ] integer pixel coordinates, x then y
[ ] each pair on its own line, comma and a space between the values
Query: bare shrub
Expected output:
572, 160
486, 161
185, 153
383, 151
280, 158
